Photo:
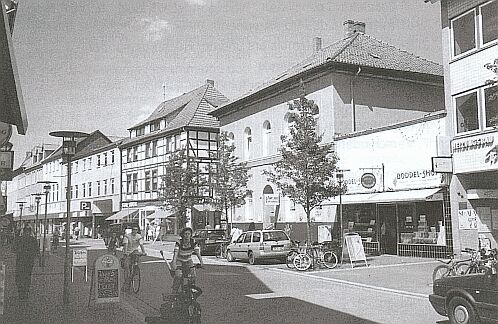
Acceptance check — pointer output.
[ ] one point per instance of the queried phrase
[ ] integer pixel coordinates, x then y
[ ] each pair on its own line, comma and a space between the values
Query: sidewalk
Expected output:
45, 305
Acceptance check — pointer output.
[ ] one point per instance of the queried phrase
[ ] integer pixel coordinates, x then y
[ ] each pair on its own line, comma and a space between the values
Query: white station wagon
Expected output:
259, 244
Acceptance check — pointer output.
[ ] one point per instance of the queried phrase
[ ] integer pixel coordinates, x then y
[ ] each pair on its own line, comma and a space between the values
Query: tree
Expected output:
305, 172
493, 95
230, 179
178, 184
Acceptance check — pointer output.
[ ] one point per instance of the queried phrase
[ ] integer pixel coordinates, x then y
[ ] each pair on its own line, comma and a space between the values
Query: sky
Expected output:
106, 65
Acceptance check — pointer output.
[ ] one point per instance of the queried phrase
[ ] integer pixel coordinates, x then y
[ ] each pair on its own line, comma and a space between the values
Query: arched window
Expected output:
230, 139
266, 137
247, 143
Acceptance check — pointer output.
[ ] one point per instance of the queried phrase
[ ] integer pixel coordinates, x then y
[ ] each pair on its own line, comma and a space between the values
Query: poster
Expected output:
467, 219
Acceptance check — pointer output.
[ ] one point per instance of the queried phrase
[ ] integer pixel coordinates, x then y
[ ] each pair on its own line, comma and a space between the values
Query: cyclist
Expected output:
132, 244
182, 257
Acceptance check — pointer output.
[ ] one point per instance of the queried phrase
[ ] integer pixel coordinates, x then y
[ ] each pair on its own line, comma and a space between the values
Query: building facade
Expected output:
178, 123
470, 41
358, 83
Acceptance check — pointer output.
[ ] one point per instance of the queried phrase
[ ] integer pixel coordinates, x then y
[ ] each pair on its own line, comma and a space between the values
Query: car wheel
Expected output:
252, 259
230, 257
460, 311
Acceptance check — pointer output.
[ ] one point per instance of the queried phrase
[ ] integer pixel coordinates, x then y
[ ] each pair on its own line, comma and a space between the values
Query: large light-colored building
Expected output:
470, 40
95, 179
363, 87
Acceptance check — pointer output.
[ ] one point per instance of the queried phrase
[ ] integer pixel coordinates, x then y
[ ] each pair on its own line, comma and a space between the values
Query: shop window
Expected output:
421, 223
464, 33
489, 21
467, 114
491, 106
361, 219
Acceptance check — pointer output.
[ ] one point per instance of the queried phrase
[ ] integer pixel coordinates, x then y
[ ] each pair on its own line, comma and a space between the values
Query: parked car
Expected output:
260, 244
468, 298
209, 239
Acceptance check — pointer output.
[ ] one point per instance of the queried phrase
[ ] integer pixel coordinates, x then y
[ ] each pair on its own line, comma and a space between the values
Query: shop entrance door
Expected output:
388, 229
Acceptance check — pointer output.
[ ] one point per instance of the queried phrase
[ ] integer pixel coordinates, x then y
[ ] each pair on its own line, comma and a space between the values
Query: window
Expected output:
464, 34
112, 157
135, 153
135, 183
247, 143
84, 165
112, 186
105, 158
128, 155
489, 21
98, 188
89, 163
154, 180
266, 137
467, 114
83, 188
98, 160
154, 148
155, 126
491, 106
247, 239
128, 183
147, 150
76, 167
256, 237
140, 131
89, 189
147, 181
76, 191
105, 187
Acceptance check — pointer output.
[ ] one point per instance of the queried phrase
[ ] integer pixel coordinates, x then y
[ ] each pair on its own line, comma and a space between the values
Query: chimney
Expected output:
351, 27
317, 44
210, 82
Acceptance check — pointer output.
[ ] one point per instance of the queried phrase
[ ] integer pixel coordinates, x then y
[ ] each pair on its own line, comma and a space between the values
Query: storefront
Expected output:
475, 189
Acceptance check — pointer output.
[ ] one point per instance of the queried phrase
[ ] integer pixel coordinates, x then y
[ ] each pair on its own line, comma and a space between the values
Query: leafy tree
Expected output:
493, 95
305, 172
230, 179
179, 184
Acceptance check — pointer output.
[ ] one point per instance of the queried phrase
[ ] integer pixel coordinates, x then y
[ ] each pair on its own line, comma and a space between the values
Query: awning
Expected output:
205, 207
122, 214
160, 213
389, 196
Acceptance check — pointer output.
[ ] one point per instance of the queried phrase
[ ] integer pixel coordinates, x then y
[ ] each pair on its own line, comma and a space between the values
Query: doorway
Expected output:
388, 228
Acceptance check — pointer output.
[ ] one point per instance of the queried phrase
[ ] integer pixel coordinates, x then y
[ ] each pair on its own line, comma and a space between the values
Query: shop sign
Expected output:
272, 199
107, 280
476, 153
467, 219
412, 179
368, 180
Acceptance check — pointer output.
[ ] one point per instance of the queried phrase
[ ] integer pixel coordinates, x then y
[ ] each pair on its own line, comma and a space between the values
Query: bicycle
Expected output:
481, 260
221, 250
452, 267
134, 278
315, 255
295, 250
183, 307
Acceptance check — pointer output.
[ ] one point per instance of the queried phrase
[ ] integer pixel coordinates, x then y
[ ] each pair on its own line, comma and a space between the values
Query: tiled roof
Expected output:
357, 50
189, 109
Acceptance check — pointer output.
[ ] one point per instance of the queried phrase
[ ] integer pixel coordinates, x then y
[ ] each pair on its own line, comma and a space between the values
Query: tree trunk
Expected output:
308, 227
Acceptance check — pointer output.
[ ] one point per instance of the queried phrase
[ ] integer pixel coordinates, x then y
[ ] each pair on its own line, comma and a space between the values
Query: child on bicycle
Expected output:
132, 244
182, 257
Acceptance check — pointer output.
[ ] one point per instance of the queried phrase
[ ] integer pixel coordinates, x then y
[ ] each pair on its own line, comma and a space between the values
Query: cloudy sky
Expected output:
87, 65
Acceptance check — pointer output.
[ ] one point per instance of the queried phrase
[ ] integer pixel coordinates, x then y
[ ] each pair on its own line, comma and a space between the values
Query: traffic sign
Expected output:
85, 205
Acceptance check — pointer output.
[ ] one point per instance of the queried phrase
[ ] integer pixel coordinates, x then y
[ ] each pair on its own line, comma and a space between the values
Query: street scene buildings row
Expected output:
417, 146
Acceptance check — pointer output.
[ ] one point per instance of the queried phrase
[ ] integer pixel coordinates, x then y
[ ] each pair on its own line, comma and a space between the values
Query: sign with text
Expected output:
467, 219
442, 164
79, 257
475, 153
85, 205
107, 279
272, 199
355, 248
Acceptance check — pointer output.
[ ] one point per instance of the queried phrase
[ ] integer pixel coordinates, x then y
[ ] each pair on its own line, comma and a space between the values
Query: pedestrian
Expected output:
147, 232
26, 251
77, 232
55, 239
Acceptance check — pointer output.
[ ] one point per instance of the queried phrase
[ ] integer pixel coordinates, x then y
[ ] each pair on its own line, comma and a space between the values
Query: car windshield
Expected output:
274, 236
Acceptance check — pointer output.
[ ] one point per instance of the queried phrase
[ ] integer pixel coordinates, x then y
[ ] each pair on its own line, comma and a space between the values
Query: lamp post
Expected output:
21, 206
47, 186
37, 200
68, 150
340, 179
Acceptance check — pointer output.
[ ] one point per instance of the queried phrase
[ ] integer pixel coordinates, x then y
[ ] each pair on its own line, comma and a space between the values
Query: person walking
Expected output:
26, 251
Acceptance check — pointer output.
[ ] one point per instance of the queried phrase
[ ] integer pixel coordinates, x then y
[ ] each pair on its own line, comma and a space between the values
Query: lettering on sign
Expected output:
79, 258
272, 199
368, 180
467, 219
107, 283
472, 144
422, 174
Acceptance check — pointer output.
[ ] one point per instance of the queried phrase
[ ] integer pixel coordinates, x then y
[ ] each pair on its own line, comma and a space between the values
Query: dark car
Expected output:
467, 299
209, 239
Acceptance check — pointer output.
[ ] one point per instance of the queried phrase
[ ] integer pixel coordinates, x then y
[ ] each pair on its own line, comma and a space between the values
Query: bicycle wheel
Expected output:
290, 259
462, 268
302, 262
329, 259
441, 271
135, 279
194, 313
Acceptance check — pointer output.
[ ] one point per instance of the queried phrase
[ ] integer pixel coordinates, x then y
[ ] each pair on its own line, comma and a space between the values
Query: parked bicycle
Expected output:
452, 267
481, 260
221, 250
294, 251
315, 255
183, 307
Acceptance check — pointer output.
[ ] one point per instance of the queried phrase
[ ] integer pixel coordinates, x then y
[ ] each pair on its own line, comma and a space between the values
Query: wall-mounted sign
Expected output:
85, 205
368, 180
467, 219
272, 199
475, 153
442, 164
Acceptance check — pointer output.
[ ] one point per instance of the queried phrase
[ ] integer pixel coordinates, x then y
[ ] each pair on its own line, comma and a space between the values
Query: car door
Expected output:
489, 295
245, 245
237, 246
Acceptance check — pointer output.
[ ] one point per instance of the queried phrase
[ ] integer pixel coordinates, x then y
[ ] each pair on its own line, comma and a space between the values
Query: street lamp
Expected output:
46, 187
68, 150
37, 200
340, 179
21, 206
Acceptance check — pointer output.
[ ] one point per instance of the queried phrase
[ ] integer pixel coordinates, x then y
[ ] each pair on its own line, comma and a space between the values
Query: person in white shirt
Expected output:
133, 248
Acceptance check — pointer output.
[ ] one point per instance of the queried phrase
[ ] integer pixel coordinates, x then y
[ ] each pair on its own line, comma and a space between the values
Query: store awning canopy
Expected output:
388, 196
122, 214
205, 207
161, 213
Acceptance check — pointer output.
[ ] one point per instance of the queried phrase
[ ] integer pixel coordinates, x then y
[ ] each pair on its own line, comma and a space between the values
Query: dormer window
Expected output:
155, 126
140, 131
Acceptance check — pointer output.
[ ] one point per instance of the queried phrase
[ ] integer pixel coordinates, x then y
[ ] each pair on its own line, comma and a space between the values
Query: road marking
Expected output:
382, 266
152, 261
357, 284
266, 296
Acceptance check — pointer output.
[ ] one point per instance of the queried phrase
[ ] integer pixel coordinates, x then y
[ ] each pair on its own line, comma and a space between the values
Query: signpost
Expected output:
80, 259
354, 245
106, 279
